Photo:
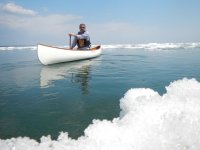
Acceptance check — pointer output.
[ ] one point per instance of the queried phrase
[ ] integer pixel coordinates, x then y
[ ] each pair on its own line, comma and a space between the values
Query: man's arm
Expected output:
71, 34
85, 35
82, 36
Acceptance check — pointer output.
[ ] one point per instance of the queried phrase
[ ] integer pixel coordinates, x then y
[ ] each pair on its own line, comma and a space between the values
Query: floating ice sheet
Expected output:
147, 121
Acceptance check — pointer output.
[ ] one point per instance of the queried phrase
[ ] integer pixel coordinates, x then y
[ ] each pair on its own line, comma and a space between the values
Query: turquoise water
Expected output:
37, 100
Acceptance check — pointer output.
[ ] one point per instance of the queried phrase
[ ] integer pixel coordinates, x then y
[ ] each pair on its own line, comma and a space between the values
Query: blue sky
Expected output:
28, 22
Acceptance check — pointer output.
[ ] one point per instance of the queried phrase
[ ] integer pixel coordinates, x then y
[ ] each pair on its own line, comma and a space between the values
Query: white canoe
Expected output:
51, 54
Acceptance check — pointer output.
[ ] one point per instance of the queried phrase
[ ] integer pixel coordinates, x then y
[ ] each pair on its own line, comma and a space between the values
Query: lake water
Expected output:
37, 100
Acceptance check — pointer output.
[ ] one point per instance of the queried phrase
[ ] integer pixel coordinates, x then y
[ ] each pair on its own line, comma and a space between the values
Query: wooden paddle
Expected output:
70, 41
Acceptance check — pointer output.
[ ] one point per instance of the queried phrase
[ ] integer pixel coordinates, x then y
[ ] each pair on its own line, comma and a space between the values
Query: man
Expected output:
81, 39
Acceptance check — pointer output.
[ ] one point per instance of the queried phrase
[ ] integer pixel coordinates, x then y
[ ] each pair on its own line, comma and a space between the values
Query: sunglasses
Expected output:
82, 27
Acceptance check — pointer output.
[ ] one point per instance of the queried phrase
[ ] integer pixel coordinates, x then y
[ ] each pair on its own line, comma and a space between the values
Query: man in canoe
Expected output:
81, 39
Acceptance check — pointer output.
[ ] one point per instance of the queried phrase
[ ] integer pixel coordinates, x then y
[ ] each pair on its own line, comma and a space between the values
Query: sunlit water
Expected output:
37, 100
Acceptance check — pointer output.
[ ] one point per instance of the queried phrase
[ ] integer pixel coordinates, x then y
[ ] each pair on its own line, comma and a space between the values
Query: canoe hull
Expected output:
51, 55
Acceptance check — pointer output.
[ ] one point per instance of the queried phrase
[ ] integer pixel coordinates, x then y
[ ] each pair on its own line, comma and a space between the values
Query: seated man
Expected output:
81, 39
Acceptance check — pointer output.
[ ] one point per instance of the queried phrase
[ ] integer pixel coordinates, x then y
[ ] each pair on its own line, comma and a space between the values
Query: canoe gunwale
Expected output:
62, 48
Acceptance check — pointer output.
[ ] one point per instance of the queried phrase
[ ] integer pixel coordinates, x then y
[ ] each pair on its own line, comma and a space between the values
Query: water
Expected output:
37, 100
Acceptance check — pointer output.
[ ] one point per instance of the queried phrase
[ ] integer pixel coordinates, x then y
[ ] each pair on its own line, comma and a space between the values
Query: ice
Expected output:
154, 46
147, 121
147, 46
9, 48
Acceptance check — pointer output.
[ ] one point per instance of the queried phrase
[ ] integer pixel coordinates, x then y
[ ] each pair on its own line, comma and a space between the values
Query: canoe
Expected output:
51, 54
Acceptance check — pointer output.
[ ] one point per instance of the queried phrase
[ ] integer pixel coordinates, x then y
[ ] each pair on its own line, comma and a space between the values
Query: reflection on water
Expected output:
82, 77
78, 72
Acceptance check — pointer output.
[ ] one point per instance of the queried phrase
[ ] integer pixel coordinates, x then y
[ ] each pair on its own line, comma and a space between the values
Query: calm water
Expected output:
37, 100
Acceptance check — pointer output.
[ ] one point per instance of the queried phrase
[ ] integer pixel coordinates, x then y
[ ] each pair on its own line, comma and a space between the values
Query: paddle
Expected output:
70, 41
